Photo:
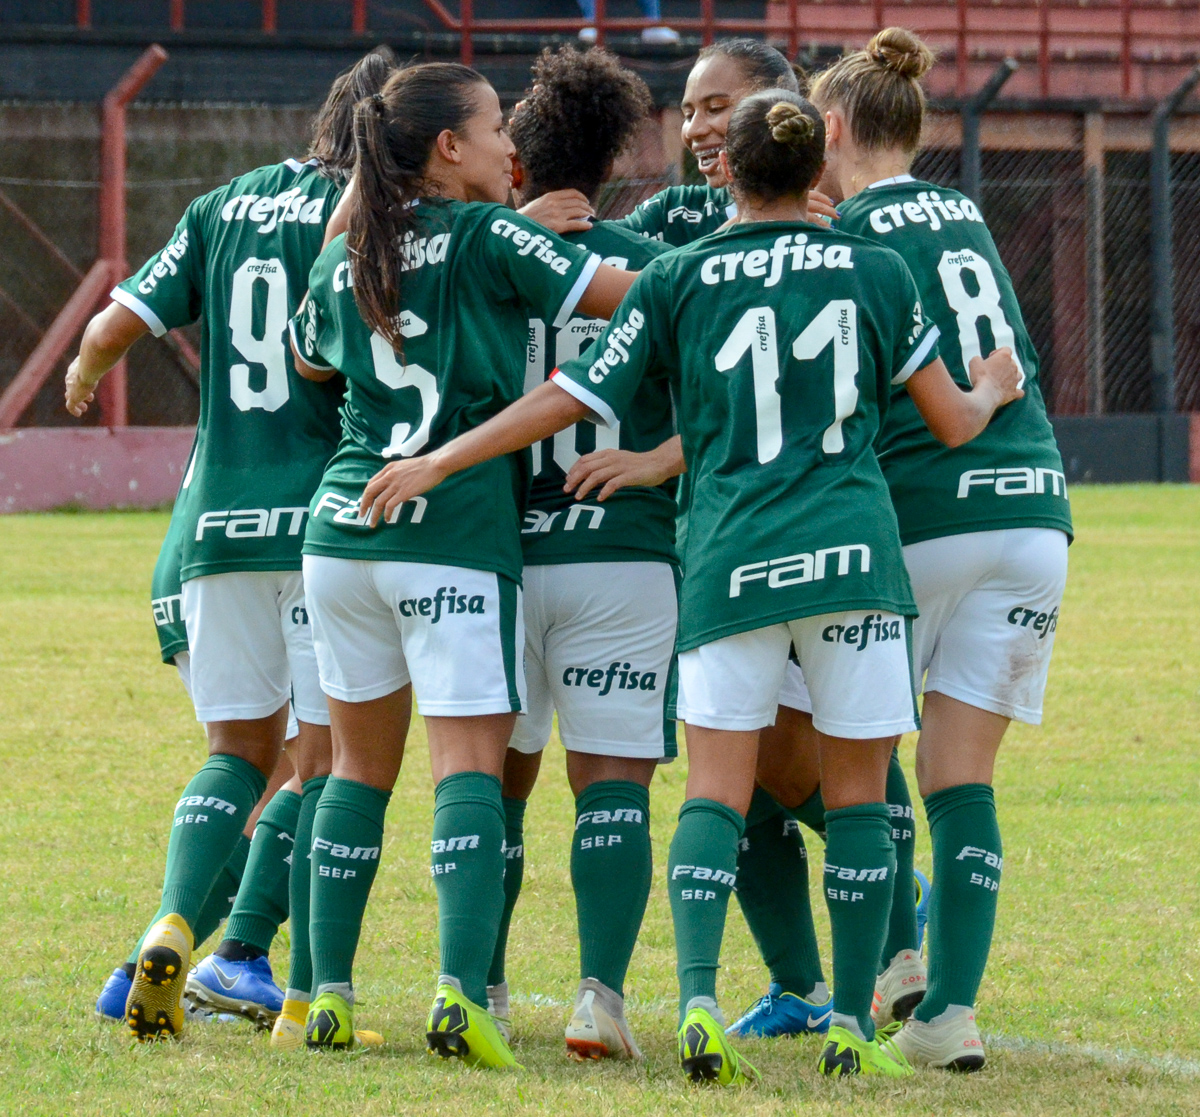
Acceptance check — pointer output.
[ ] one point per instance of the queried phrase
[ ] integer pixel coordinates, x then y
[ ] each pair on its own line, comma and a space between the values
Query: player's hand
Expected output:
999, 374
561, 211
397, 482
79, 392
821, 208
619, 469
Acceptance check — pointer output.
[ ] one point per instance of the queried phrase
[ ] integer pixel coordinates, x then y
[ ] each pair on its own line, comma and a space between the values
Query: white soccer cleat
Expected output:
497, 1007
950, 1041
660, 36
899, 989
598, 1029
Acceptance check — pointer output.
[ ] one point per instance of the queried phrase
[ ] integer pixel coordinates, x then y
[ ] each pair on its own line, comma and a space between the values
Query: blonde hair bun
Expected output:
789, 125
902, 52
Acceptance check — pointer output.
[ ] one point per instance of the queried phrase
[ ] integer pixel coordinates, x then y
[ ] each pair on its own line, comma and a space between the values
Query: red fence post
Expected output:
359, 17
601, 18
178, 16
466, 16
270, 17
1044, 47
793, 31
707, 16
1126, 48
83, 13
960, 51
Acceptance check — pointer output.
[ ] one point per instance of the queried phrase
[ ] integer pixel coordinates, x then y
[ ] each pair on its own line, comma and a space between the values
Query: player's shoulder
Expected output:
910, 204
330, 262
616, 242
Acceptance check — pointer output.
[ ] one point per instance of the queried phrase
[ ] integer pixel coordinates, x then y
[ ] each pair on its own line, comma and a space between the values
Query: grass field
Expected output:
1089, 1005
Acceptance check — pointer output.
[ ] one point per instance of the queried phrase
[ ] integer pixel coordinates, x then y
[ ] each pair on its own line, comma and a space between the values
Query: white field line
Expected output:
1110, 1056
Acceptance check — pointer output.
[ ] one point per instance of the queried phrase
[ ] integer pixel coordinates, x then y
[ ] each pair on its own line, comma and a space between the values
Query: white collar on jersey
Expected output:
895, 180
297, 166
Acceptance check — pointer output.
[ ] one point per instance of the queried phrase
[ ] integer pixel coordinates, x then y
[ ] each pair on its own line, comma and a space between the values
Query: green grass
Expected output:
1089, 1001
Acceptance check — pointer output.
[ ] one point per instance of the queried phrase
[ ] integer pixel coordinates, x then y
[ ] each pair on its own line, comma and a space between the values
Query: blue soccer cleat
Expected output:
924, 891
783, 1014
244, 988
110, 1005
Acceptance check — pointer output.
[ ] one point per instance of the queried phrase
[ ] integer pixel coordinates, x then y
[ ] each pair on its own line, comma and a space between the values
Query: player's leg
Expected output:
987, 664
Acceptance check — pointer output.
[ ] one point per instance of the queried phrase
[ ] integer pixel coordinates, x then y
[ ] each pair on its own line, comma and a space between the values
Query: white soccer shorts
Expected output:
856, 665
599, 638
183, 664
251, 647
989, 603
453, 632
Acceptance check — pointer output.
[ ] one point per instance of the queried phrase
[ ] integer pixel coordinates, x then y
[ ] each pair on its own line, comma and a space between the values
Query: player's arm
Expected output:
955, 416
606, 290
620, 469
561, 211
309, 372
339, 217
107, 338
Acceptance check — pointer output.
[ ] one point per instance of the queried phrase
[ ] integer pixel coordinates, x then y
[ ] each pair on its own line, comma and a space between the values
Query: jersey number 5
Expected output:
405, 440
836, 325
267, 350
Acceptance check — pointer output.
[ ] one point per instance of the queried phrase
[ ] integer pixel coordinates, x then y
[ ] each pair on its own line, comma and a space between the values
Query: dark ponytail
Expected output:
763, 66
395, 131
332, 143
775, 144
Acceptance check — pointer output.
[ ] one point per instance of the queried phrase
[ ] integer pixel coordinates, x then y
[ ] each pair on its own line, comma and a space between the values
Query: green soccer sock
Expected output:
860, 862
468, 869
967, 861
514, 874
902, 923
209, 819
347, 838
701, 872
611, 870
772, 889
812, 813
262, 899
299, 892
219, 903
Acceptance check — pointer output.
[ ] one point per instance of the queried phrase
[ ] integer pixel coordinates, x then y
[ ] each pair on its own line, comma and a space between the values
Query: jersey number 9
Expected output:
267, 350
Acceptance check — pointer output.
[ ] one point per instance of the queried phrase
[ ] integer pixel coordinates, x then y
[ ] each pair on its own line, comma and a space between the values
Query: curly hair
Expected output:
581, 112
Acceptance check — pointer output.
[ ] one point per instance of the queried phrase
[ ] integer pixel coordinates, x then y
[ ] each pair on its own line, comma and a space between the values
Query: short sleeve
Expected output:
916, 337
546, 273
310, 327
168, 291
646, 219
607, 376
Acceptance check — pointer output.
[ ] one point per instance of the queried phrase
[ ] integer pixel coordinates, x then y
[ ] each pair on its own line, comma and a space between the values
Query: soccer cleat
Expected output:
459, 1029
243, 988
597, 1029
899, 989
950, 1041
845, 1053
154, 1008
924, 891
783, 1014
287, 1033
705, 1055
110, 1005
500, 1012
330, 1023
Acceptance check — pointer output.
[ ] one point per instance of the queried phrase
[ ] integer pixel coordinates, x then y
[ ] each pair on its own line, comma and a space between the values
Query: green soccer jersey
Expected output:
241, 256
1012, 474
634, 524
679, 215
166, 593
783, 340
475, 275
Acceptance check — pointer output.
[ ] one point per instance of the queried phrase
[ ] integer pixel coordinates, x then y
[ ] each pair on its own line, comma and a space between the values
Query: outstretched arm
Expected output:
106, 340
955, 416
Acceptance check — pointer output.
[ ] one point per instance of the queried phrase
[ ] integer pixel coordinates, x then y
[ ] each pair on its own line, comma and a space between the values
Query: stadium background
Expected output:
1065, 152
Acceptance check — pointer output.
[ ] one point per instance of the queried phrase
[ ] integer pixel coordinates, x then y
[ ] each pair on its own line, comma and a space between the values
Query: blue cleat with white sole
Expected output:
783, 1014
243, 988
110, 1005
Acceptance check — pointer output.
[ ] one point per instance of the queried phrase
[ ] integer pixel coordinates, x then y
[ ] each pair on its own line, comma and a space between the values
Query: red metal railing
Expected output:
1131, 31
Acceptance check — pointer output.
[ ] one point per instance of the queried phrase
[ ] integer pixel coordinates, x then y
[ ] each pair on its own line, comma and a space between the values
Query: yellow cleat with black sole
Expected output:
288, 1031
705, 1053
154, 1008
846, 1054
458, 1028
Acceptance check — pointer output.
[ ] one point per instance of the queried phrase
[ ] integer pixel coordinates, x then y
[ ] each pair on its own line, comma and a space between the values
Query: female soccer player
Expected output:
599, 592
985, 527
241, 257
790, 537
425, 305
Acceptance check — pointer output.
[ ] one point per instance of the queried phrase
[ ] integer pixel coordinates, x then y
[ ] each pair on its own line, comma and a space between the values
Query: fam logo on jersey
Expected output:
167, 264
603, 680
345, 510
268, 213
535, 243
167, 610
1042, 623
250, 523
616, 350
794, 570
929, 209
1020, 480
759, 263
873, 627
537, 521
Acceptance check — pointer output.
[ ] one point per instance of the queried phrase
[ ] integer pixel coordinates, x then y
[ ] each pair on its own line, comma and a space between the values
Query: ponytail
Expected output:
332, 143
775, 144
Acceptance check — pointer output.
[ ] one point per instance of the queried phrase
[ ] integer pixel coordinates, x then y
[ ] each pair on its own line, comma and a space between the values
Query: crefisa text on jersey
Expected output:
268, 212
767, 265
929, 208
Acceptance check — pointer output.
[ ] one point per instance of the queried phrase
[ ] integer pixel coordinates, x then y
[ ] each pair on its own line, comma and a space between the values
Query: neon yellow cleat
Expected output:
459, 1028
846, 1054
705, 1053
330, 1023
287, 1034
154, 1009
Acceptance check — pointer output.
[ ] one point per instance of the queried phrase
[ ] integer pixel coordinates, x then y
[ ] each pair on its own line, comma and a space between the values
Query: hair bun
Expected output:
789, 124
899, 50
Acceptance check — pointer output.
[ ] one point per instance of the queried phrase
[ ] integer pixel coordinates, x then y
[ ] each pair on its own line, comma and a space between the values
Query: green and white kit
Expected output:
475, 275
784, 339
679, 215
